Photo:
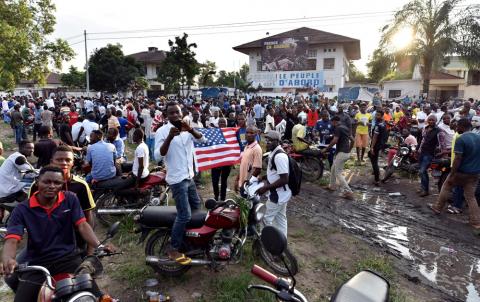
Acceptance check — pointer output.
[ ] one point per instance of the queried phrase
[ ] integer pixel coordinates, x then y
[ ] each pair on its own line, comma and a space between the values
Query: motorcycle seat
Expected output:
164, 216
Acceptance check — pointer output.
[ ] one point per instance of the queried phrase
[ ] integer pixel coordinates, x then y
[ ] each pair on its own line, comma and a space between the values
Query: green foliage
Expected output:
244, 206
234, 289
379, 65
111, 71
25, 50
355, 75
138, 85
207, 70
180, 66
438, 32
237, 79
73, 79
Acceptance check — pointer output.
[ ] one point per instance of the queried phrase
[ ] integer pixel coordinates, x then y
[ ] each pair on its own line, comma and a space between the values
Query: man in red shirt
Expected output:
73, 114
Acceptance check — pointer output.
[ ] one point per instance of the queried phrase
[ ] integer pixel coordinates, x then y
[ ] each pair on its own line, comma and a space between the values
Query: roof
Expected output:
438, 75
315, 37
52, 78
156, 56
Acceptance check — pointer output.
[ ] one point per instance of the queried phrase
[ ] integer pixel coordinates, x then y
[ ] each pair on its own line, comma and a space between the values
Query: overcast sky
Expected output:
351, 18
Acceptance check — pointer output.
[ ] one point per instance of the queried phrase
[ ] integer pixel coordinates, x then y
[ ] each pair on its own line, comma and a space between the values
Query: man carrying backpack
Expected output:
276, 183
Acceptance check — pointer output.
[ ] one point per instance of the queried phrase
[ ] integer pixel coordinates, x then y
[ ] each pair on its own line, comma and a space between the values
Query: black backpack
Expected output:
294, 173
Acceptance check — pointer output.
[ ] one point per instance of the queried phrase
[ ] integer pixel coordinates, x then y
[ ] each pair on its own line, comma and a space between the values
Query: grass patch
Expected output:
234, 289
324, 181
134, 273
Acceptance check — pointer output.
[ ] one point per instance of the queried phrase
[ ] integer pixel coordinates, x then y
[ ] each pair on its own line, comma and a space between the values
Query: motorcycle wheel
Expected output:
388, 173
312, 168
441, 180
275, 263
105, 201
157, 246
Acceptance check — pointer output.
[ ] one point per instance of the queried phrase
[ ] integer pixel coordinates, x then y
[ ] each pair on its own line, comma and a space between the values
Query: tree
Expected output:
111, 71
180, 66
25, 50
207, 70
438, 32
355, 75
73, 79
138, 85
380, 64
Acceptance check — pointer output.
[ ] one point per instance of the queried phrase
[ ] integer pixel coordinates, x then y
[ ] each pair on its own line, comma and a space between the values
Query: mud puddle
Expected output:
441, 253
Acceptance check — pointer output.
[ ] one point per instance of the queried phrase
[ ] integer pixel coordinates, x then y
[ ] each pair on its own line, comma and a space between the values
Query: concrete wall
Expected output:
472, 91
407, 87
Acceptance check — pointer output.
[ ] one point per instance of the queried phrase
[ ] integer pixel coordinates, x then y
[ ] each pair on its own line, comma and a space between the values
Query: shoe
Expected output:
434, 210
348, 195
423, 194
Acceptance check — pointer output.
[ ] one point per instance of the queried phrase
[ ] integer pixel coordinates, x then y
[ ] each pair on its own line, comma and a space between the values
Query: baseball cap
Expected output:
273, 135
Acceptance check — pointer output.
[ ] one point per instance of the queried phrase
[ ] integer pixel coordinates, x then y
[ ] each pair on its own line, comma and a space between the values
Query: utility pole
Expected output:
86, 63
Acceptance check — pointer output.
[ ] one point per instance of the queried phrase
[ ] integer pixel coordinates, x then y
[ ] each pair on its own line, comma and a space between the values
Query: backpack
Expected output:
294, 173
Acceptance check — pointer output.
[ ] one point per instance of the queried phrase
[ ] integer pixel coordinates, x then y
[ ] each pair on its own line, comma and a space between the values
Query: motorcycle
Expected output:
310, 161
214, 238
154, 191
366, 286
440, 168
73, 287
404, 159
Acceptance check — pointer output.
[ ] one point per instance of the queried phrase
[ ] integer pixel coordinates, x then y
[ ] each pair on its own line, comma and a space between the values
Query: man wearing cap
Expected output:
276, 183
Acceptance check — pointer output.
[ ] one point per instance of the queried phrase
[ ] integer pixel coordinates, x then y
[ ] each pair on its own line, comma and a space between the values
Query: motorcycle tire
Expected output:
105, 201
157, 246
388, 173
312, 168
277, 265
441, 180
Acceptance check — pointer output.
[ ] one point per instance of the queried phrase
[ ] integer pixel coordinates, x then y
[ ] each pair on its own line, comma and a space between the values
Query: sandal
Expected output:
434, 210
183, 260
453, 210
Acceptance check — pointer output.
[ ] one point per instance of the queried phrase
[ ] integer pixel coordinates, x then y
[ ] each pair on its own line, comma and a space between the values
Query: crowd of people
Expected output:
165, 129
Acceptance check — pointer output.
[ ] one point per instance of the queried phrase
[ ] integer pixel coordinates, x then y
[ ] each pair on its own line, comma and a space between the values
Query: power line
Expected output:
244, 24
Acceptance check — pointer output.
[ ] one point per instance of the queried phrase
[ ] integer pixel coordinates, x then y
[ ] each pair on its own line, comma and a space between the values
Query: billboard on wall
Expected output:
286, 54
288, 79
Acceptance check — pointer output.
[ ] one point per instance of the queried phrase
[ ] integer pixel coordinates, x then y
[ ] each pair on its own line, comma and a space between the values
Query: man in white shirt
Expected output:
11, 171
88, 126
174, 144
76, 130
141, 159
196, 123
89, 105
421, 118
269, 121
213, 120
277, 183
50, 103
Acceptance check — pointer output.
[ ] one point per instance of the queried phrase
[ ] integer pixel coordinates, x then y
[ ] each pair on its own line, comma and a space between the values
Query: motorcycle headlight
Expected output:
259, 212
83, 297
413, 148
403, 151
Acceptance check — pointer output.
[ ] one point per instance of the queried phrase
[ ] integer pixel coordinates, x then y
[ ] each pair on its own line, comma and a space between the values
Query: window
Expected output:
394, 94
145, 69
157, 70
312, 53
311, 64
473, 77
329, 63
259, 65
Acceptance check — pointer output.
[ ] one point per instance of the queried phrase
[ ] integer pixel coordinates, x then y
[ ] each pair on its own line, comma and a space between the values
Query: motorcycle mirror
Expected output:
210, 203
273, 240
113, 229
20, 160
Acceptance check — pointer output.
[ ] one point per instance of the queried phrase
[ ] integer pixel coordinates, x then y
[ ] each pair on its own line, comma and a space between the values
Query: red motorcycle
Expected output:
214, 238
152, 192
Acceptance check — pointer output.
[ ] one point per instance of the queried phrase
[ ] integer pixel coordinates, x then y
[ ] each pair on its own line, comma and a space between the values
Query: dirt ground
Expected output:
332, 239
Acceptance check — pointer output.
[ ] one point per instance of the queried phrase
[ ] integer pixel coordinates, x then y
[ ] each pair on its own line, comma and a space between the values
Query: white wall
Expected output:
472, 91
407, 87
151, 71
335, 78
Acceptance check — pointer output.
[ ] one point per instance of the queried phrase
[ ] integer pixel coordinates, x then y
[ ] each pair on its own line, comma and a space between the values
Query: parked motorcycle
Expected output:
214, 238
73, 287
366, 286
154, 191
310, 161
404, 160
440, 168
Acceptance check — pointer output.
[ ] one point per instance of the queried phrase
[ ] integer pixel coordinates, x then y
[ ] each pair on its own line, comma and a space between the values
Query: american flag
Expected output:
220, 149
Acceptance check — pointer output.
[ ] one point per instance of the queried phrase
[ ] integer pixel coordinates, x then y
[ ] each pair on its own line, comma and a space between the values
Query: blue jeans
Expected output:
186, 201
151, 146
20, 134
458, 197
425, 160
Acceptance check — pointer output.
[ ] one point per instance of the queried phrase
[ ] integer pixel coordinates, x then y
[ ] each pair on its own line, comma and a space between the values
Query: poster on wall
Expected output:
288, 79
286, 54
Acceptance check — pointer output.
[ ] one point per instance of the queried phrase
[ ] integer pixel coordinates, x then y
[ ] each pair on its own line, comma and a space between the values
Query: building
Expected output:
300, 60
34, 89
455, 80
151, 61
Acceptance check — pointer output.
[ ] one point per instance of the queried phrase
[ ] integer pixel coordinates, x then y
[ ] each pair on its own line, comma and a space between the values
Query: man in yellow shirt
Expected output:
363, 120
299, 132
397, 115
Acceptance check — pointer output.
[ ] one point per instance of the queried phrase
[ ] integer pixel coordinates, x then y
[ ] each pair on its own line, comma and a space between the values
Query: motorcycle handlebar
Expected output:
264, 275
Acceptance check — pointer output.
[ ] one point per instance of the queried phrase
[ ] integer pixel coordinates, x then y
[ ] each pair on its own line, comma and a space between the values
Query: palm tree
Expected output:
439, 29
